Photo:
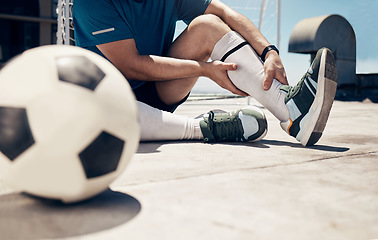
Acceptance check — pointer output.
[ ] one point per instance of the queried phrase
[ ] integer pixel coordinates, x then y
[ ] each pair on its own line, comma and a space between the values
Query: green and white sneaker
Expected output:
310, 101
243, 125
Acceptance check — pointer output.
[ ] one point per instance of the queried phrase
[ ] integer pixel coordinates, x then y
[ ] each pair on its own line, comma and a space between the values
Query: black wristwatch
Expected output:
266, 50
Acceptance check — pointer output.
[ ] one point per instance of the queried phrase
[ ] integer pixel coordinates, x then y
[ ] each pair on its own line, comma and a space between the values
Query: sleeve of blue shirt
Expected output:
98, 22
190, 9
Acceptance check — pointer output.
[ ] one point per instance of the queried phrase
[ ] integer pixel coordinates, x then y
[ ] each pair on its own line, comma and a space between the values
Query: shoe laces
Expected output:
295, 89
227, 128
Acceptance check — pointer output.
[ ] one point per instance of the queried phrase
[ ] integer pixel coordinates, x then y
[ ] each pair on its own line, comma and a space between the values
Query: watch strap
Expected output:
266, 50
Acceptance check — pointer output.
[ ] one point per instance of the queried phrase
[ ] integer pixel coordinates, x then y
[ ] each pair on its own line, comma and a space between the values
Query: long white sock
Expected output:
161, 125
250, 74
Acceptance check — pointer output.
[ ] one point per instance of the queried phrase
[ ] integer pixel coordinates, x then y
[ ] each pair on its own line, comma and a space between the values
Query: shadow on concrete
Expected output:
298, 145
265, 143
152, 147
26, 217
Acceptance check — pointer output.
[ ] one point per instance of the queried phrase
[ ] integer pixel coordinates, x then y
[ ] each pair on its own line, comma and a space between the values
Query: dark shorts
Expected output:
147, 94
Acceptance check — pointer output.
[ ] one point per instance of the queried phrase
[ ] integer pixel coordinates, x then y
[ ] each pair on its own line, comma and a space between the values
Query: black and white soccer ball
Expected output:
68, 123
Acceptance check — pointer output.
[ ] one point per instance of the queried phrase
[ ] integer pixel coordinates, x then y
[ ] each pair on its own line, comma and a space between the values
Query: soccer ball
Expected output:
68, 123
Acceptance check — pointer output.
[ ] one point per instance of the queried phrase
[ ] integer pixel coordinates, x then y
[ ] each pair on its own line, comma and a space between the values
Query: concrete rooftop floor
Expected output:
272, 189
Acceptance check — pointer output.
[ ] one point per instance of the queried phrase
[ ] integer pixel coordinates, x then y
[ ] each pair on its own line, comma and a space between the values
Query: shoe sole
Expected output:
316, 119
261, 137
264, 124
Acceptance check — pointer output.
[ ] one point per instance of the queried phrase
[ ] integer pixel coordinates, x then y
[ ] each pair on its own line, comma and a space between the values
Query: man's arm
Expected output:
273, 66
125, 56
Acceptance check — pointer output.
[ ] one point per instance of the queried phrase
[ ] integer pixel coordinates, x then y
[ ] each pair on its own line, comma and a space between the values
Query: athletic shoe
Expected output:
243, 125
310, 101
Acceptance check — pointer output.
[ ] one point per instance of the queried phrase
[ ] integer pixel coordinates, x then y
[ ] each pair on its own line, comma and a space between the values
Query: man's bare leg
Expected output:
195, 43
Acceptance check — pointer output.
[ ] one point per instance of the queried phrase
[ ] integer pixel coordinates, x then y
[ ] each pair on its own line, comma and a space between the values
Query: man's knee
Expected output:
210, 25
198, 40
206, 19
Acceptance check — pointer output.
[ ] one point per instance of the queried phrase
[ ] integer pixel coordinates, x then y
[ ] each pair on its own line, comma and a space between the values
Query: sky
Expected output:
359, 13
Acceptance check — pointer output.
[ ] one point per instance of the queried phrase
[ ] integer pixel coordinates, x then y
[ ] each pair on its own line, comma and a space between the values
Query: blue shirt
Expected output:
151, 23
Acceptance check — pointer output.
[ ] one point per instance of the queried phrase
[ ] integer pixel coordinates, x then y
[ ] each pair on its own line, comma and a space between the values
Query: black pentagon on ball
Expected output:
15, 133
79, 70
102, 155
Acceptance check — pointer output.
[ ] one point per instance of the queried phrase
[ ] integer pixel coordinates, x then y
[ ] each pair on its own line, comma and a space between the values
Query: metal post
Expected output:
67, 22
59, 39
262, 12
278, 23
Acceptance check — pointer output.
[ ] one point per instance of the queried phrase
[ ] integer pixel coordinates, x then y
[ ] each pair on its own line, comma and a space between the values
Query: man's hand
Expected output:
273, 68
217, 71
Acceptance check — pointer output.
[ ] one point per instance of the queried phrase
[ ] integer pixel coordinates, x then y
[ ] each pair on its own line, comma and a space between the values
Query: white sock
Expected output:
161, 125
250, 74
